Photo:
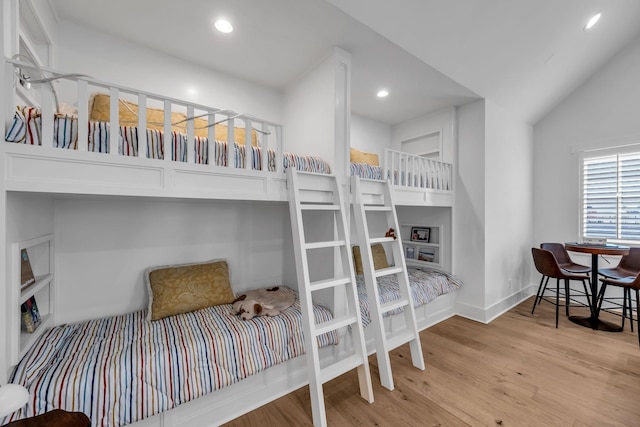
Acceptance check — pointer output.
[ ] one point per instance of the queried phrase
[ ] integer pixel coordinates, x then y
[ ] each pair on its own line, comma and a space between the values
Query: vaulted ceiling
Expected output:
525, 55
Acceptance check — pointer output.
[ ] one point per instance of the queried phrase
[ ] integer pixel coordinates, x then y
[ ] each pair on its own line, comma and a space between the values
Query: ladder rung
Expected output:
329, 283
337, 323
388, 271
319, 207
377, 208
392, 305
327, 244
398, 339
340, 367
381, 239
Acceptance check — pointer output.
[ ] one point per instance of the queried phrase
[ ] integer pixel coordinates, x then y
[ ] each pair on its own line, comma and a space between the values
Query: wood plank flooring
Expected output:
516, 371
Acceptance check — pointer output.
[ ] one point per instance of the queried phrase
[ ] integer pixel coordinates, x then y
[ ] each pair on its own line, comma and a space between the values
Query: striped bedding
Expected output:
365, 170
122, 369
426, 285
26, 128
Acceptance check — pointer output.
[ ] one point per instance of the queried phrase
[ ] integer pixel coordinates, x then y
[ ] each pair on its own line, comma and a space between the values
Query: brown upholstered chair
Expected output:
627, 284
628, 266
564, 260
548, 266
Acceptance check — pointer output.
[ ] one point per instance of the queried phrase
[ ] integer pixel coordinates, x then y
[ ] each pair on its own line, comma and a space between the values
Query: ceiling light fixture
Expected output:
592, 21
382, 93
223, 26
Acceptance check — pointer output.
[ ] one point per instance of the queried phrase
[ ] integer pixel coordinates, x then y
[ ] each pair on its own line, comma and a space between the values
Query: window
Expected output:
611, 196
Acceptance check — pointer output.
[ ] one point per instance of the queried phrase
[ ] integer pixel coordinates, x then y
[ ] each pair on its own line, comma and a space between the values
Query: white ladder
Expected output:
373, 196
321, 195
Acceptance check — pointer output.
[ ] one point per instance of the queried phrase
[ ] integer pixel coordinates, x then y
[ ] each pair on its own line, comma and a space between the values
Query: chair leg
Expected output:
586, 291
638, 315
567, 297
600, 298
557, 300
630, 307
624, 306
540, 293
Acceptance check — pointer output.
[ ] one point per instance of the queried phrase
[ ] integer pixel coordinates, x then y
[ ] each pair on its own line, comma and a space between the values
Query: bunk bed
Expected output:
49, 151
126, 369
415, 180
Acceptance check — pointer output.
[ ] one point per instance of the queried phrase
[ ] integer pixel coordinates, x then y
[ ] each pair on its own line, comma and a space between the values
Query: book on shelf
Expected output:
26, 273
30, 314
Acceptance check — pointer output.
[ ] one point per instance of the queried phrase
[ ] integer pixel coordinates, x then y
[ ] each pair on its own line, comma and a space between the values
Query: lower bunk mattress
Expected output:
121, 369
426, 285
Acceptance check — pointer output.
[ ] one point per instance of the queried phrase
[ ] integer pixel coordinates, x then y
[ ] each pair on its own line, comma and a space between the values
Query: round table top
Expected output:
606, 249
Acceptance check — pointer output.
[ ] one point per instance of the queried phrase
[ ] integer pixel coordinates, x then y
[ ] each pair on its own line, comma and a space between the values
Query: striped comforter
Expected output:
26, 128
426, 285
122, 369
365, 170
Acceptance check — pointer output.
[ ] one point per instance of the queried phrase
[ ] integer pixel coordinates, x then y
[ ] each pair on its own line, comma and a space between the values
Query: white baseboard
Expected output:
487, 314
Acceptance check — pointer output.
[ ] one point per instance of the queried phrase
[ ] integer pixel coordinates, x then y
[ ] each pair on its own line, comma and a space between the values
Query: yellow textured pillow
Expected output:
379, 258
128, 115
358, 156
187, 287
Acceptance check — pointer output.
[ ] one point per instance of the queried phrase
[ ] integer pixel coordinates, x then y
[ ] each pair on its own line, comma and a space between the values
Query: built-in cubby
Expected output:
40, 253
422, 244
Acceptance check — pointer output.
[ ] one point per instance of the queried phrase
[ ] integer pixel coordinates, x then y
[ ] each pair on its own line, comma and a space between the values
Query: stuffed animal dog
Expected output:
391, 233
262, 302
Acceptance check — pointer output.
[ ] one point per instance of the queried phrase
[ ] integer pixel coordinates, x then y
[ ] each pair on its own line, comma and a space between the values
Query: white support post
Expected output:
48, 112
167, 140
190, 134
231, 144
211, 136
279, 150
83, 116
248, 152
114, 120
142, 125
264, 148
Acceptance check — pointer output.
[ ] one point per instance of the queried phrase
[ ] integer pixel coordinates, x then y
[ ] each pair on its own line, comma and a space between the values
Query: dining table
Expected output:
593, 321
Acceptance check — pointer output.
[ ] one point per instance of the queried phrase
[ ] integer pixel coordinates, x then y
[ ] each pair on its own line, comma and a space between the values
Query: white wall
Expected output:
107, 58
604, 112
370, 135
309, 119
439, 121
469, 212
508, 204
105, 244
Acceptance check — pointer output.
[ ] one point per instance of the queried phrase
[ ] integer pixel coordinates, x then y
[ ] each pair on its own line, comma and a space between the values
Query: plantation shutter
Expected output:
611, 197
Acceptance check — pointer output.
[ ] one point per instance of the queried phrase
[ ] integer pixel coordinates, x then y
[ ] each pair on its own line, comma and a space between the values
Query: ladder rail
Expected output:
383, 342
327, 186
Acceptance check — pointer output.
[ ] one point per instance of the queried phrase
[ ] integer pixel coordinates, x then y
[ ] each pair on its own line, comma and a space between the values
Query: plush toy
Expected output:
262, 302
391, 233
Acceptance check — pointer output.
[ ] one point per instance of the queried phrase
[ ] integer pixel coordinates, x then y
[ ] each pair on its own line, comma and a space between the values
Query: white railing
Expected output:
78, 90
411, 171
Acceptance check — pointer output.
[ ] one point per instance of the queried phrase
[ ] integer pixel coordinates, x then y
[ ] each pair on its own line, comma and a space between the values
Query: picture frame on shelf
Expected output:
426, 254
420, 234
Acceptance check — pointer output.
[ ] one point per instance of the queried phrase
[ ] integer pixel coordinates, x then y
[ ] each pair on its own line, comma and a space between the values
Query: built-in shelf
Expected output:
40, 252
418, 252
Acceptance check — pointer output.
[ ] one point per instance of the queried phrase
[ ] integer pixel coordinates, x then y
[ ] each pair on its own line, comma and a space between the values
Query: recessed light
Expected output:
382, 93
592, 21
223, 26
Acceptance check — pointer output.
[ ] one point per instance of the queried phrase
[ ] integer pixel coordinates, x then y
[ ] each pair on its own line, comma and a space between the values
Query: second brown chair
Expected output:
548, 266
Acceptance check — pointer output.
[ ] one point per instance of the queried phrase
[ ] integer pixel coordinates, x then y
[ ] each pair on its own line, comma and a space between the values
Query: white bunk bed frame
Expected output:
46, 169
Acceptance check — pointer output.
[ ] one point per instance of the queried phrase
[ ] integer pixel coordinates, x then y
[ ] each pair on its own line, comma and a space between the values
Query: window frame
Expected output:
596, 153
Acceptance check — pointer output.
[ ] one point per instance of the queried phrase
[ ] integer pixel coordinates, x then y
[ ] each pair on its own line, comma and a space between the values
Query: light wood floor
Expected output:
516, 371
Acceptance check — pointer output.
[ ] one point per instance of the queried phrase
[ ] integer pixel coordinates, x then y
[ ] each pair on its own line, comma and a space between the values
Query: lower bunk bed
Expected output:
126, 369
432, 292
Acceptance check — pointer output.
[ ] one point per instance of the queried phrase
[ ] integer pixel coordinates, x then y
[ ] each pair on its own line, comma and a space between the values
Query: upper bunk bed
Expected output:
47, 151
415, 180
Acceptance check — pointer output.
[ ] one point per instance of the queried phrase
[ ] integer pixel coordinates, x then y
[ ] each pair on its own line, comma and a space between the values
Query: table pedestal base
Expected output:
597, 324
